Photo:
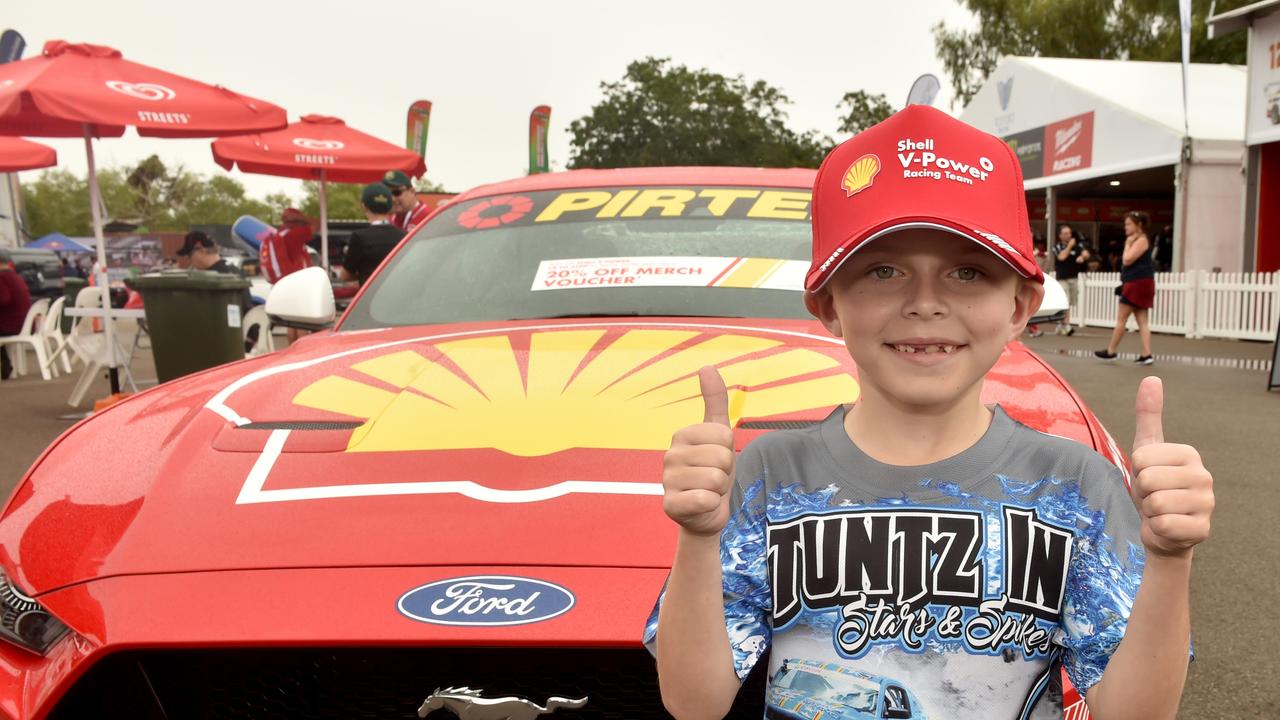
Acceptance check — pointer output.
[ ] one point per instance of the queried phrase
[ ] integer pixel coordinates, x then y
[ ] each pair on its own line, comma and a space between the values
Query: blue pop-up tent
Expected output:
58, 242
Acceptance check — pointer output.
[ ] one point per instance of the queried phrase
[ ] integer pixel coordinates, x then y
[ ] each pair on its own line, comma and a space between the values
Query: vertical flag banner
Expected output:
416, 132
539, 119
924, 90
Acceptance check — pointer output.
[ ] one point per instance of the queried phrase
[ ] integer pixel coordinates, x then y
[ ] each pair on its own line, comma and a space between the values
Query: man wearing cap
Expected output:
408, 210
369, 246
920, 553
200, 252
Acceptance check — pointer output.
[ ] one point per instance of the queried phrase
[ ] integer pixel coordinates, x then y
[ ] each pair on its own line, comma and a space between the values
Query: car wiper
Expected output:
622, 314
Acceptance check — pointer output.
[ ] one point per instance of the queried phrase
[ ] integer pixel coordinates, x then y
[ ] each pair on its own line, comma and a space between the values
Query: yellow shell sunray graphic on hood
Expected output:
632, 394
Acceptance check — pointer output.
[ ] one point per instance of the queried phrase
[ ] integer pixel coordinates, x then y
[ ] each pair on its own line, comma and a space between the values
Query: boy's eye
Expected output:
883, 272
966, 274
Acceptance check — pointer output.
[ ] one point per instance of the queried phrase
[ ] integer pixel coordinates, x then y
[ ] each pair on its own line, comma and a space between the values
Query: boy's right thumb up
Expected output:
715, 397
698, 470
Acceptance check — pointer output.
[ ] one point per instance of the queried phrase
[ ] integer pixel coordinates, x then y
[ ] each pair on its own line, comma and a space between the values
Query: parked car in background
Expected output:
41, 269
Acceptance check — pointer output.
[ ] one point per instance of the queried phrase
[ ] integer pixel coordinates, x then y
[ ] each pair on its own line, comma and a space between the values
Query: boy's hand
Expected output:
698, 469
1171, 487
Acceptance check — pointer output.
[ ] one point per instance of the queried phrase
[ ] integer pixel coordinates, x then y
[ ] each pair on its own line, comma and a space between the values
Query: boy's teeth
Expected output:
927, 349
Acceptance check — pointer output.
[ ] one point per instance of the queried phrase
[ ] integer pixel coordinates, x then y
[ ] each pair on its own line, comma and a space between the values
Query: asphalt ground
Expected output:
1215, 399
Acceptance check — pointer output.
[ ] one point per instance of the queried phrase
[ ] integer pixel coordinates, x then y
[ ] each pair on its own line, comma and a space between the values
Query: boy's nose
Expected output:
924, 300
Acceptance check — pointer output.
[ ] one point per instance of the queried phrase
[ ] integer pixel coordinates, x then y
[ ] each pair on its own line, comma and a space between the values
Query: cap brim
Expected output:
983, 240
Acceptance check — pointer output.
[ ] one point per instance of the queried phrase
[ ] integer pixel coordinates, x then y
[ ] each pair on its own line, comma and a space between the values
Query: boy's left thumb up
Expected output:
1148, 409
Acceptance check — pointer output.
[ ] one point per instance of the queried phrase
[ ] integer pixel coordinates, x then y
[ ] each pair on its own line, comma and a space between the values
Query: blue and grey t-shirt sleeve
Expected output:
1103, 576
744, 567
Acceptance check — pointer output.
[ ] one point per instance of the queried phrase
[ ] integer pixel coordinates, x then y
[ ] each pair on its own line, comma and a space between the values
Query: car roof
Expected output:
614, 177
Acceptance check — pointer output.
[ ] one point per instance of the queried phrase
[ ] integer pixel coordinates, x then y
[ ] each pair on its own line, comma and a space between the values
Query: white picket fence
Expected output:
1197, 304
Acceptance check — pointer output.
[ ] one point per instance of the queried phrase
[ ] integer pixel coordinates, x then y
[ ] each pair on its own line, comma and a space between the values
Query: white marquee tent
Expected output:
1072, 120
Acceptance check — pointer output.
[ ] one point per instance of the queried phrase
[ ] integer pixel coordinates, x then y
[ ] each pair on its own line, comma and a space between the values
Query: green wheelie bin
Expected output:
195, 319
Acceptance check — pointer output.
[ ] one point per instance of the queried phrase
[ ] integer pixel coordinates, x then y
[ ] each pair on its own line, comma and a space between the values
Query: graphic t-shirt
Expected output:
948, 590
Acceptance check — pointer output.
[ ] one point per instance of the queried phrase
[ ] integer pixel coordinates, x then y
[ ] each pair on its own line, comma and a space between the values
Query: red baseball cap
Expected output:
921, 168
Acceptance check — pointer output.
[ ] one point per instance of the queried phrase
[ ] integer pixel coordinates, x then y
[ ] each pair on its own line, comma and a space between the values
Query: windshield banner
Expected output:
596, 204
669, 271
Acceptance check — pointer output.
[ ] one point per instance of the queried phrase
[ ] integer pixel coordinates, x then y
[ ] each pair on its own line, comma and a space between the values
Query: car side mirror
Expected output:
303, 299
1054, 306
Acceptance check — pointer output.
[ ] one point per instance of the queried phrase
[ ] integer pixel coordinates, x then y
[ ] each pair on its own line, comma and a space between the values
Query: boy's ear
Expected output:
821, 305
1026, 302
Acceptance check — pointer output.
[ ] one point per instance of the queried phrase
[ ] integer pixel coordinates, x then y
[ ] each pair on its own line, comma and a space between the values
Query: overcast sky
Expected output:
485, 64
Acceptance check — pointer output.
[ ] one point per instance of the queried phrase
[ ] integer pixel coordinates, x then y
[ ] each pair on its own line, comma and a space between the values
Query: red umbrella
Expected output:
92, 91
18, 154
78, 90
317, 147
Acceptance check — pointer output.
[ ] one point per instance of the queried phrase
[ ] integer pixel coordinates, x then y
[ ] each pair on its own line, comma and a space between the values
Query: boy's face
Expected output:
925, 314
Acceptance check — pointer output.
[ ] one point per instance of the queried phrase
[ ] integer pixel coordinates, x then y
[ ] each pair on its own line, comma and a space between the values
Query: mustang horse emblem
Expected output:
468, 705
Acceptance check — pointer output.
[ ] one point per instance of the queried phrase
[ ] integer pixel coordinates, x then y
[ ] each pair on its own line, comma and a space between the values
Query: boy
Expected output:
919, 554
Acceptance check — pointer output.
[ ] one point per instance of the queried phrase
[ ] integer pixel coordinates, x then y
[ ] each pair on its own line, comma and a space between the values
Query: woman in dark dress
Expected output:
1137, 288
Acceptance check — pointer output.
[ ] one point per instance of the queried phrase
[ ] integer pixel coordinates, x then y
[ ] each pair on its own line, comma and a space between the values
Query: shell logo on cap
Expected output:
860, 174
568, 389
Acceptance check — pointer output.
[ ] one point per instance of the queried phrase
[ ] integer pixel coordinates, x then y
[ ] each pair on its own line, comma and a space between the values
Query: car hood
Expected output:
531, 443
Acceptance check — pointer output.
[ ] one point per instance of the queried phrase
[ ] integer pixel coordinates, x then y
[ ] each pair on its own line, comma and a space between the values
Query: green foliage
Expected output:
341, 199
860, 110
1100, 29
217, 200
148, 194
664, 114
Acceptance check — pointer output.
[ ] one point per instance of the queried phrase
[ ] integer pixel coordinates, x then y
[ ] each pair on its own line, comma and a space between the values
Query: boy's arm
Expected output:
1174, 494
695, 663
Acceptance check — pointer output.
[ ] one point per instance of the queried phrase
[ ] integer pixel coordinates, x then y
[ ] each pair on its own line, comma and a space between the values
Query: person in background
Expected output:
201, 253
296, 230
1071, 257
1162, 253
369, 246
1137, 289
69, 270
409, 211
15, 301
1045, 265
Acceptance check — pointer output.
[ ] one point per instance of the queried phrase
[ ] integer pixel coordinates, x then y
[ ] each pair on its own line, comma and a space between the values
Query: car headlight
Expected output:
24, 622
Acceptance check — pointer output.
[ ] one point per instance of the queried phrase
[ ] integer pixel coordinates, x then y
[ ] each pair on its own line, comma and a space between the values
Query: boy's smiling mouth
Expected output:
919, 349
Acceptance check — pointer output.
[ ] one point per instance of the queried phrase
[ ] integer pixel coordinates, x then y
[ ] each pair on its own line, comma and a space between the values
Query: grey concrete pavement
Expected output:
1235, 424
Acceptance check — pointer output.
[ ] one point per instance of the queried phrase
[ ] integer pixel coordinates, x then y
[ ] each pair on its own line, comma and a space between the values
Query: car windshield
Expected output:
624, 251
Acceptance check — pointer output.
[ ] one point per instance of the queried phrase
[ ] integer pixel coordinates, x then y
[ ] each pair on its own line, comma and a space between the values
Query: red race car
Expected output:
453, 497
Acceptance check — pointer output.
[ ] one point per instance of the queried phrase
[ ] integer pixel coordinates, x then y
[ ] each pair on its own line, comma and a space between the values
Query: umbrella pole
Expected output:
95, 201
324, 226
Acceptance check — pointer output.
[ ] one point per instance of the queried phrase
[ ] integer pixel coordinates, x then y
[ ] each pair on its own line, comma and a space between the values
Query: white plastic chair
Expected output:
92, 348
30, 335
257, 317
55, 344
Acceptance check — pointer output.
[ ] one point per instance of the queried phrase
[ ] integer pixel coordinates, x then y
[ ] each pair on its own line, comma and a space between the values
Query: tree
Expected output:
58, 200
665, 114
157, 193
217, 200
148, 194
861, 110
342, 200
1101, 29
